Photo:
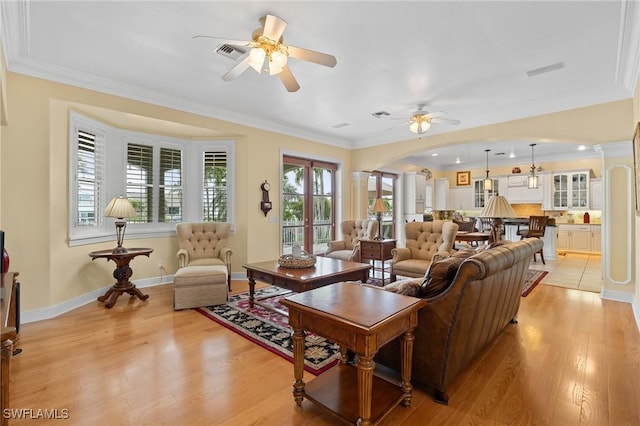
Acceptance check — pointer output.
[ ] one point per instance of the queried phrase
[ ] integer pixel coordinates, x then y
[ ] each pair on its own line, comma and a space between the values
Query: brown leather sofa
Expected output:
458, 324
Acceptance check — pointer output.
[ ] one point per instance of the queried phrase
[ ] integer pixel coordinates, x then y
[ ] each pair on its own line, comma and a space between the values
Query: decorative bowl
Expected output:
304, 261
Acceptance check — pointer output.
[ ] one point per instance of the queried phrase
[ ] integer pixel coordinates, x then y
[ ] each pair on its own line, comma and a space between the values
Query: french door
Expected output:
381, 185
308, 204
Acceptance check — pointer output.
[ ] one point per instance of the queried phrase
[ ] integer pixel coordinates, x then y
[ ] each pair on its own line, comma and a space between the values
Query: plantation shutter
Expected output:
215, 186
140, 181
89, 179
170, 194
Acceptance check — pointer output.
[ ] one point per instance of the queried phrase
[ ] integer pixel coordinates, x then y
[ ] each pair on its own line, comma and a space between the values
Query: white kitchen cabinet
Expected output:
595, 196
549, 239
480, 196
440, 194
596, 239
582, 238
415, 193
544, 181
571, 190
518, 191
460, 198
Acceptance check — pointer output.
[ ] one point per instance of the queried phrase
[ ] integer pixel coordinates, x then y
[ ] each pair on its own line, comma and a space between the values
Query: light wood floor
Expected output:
572, 359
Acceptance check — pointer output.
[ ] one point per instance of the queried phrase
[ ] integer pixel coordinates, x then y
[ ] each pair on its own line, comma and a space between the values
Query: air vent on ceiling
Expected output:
338, 126
233, 52
380, 114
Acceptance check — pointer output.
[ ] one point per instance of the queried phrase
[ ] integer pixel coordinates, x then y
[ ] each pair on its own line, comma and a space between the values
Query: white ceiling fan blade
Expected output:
273, 27
226, 40
312, 56
445, 121
288, 80
435, 114
238, 69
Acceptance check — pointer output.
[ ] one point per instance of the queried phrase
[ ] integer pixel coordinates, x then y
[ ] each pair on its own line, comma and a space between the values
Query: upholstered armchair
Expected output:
204, 244
352, 231
423, 241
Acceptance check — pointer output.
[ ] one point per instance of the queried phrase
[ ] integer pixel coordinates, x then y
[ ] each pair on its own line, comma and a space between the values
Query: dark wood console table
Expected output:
9, 336
362, 319
122, 274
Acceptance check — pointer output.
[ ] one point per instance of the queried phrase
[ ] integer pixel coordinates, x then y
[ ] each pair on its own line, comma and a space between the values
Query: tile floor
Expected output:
572, 270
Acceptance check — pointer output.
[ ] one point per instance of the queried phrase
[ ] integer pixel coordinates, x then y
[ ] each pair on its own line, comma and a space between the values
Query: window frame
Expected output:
114, 180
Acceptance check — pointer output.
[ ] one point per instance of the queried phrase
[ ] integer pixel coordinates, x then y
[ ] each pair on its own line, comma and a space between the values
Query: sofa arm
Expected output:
225, 255
399, 254
335, 246
183, 258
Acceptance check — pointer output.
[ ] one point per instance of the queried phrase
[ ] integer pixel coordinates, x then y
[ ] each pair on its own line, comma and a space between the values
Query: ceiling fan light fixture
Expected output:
419, 124
257, 55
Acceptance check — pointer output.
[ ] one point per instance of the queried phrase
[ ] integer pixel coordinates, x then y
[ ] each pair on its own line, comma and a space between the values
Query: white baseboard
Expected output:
68, 305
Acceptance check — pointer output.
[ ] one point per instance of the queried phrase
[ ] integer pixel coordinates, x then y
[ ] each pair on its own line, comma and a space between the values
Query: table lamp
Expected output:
378, 208
120, 208
497, 208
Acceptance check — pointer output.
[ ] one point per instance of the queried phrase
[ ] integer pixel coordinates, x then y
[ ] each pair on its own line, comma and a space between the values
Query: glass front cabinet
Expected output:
571, 190
480, 195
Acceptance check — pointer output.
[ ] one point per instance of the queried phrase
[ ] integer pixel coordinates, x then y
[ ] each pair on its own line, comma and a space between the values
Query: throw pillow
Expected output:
441, 273
408, 287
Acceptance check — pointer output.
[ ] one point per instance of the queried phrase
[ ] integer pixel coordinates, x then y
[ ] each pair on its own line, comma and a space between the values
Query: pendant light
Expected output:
488, 183
533, 179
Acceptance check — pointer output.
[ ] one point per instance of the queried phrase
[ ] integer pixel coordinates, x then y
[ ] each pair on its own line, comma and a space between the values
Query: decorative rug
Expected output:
531, 280
271, 329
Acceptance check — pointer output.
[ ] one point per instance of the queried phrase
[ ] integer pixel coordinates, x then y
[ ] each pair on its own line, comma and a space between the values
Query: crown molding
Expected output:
614, 149
628, 64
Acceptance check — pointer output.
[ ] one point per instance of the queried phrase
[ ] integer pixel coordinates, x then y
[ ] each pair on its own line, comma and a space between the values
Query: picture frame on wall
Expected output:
463, 178
636, 166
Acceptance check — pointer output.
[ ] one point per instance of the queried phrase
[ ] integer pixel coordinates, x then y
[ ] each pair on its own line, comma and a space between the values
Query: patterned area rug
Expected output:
270, 329
531, 281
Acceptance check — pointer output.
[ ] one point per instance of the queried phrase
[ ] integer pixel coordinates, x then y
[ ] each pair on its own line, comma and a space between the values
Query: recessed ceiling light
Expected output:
512, 155
581, 148
457, 160
435, 154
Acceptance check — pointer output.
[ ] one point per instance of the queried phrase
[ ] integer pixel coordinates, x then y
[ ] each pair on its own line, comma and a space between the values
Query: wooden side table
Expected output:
362, 319
377, 250
122, 274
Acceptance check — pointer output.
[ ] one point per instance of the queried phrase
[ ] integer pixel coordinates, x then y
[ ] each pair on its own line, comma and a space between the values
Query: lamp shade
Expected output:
120, 208
497, 206
379, 206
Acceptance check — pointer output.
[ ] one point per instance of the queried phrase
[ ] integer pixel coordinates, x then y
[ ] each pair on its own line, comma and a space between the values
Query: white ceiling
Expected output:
467, 58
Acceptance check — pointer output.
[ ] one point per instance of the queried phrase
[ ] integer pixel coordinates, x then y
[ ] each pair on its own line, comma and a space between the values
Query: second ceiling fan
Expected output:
420, 120
269, 53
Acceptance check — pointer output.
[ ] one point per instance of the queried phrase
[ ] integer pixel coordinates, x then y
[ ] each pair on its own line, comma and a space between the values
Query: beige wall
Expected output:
36, 225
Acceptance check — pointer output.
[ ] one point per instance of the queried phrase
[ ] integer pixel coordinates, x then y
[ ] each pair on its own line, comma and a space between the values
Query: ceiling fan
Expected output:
420, 121
269, 53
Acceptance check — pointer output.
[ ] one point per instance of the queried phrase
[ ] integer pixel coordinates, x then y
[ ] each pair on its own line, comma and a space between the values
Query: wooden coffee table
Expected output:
325, 271
362, 319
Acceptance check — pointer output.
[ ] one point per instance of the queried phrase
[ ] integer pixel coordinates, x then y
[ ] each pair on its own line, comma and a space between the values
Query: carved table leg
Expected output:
365, 384
252, 289
406, 353
298, 364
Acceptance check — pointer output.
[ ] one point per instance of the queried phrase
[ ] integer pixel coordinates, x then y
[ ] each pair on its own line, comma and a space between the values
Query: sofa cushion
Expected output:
441, 273
407, 287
